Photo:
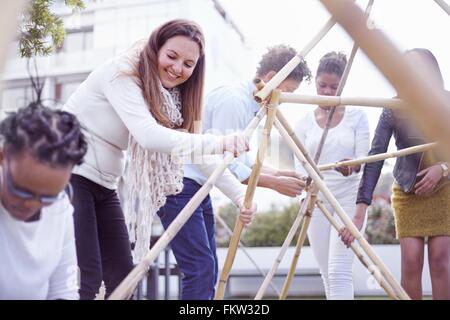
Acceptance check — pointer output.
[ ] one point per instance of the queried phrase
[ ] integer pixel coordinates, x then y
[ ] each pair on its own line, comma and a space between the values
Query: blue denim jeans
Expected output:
194, 246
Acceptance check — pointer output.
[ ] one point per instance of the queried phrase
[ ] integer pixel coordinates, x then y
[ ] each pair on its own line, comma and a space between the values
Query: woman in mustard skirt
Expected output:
420, 198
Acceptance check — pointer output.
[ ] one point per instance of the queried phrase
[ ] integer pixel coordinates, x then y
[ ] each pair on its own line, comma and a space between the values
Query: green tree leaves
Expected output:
40, 30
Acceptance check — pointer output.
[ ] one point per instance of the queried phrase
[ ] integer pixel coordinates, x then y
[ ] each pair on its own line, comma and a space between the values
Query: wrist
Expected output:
359, 215
239, 200
361, 209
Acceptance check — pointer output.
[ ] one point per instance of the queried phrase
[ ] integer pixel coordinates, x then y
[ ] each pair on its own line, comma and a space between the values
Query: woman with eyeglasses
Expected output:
37, 244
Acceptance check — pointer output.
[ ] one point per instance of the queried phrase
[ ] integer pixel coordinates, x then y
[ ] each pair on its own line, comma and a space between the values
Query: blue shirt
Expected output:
228, 109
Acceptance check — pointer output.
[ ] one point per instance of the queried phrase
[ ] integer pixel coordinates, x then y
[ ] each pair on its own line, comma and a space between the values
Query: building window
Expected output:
77, 40
14, 98
64, 90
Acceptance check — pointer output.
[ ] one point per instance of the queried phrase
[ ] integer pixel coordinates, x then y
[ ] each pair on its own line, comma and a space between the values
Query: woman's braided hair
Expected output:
51, 136
332, 62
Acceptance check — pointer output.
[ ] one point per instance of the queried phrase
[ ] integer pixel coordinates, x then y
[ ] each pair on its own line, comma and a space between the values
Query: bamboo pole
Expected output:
253, 182
287, 69
334, 101
342, 82
300, 242
282, 123
244, 250
443, 5
284, 247
344, 218
379, 157
127, 286
373, 271
307, 219
418, 87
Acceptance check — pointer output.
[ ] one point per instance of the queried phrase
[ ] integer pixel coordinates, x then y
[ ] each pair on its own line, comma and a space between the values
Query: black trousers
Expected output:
103, 246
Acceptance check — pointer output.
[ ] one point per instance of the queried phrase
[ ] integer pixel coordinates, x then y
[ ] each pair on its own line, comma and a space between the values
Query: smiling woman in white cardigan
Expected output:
136, 102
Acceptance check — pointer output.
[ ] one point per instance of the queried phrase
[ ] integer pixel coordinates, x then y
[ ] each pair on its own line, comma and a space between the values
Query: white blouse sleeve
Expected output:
227, 182
362, 136
126, 98
300, 130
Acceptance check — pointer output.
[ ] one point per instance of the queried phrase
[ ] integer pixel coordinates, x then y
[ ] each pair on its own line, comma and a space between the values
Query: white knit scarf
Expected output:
150, 177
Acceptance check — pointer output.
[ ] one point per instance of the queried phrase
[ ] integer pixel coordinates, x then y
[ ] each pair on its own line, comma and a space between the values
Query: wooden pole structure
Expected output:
282, 123
127, 286
253, 182
287, 69
420, 88
300, 242
306, 221
443, 5
379, 157
333, 101
373, 270
244, 250
343, 216
284, 247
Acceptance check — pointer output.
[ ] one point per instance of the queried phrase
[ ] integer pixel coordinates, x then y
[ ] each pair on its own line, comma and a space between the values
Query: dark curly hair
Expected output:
332, 62
50, 136
277, 57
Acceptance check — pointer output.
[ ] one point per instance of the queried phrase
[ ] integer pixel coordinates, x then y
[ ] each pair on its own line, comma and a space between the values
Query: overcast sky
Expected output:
409, 24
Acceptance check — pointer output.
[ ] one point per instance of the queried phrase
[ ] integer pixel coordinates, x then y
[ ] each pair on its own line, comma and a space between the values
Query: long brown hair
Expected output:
432, 60
146, 72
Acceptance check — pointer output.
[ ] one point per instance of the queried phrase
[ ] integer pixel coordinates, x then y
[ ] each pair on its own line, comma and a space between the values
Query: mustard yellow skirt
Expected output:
419, 216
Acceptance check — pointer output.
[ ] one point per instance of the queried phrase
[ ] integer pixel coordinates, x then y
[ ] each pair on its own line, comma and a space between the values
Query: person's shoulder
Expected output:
308, 117
62, 208
305, 121
355, 111
356, 114
123, 64
228, 91
230, 95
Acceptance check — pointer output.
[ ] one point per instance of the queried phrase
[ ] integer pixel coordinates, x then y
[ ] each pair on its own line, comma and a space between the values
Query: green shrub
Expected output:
271, 227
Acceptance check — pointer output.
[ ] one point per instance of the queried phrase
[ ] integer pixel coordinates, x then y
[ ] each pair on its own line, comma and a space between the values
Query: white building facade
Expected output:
108, 27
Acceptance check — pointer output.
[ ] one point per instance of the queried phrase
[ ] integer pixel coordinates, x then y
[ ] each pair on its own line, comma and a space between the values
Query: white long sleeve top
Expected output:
348, 140
110, 106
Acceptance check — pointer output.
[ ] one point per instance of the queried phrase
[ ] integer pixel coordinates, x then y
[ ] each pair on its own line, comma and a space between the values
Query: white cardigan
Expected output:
110, 106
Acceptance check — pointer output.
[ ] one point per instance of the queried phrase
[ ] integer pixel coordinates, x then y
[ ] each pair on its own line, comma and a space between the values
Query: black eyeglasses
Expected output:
26, 195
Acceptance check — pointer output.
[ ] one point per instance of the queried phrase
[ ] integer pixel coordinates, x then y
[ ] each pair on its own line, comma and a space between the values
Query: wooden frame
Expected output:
253, 182
127, 286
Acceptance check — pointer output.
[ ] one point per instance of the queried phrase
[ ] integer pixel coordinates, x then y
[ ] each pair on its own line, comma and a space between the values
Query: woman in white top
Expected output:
348, 138
136, 102
37, 244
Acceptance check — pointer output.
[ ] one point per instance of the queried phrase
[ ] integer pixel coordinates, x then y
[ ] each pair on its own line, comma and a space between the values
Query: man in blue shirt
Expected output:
231, 108
227, 109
